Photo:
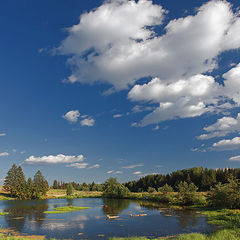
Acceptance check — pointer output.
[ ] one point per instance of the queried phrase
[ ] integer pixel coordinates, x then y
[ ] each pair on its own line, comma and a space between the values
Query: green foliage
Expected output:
15, 182
165, 189
29, 189
69, 189
55, 184
151, 190
225, 195
40, 186
187, 193
114, 189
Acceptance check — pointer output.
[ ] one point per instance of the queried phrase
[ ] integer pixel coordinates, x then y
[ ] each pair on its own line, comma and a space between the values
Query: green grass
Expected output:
3, 213
66, 209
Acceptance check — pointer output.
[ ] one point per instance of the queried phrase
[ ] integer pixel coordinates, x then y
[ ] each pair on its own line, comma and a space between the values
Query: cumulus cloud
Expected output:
89, 122
235, 158
227, 144
78, 165
2, 134
222, 127
3, 154
133, 166
116, 43
51, 159
125, 47
110, 171
72, 116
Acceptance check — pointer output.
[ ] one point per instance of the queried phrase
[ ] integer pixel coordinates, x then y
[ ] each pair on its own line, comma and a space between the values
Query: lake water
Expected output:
28, 217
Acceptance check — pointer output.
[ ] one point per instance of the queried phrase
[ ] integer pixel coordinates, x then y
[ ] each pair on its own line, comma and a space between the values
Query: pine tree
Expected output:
10, 180
55, 184
69, 189
20, 184
40, 185
29, 189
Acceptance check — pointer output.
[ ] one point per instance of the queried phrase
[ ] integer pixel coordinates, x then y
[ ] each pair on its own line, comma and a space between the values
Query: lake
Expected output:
29, 217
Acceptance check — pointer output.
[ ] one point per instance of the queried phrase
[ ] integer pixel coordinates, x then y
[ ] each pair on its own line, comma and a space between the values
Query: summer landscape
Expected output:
120, 120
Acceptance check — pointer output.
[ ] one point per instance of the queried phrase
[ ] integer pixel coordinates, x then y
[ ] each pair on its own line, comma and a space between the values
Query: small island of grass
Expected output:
66, 209
3, 213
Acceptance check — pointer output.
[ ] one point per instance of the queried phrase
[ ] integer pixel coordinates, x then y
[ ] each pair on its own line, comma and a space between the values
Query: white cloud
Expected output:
118, 172
137, 173
72, 116
3, 154
109, 172
94, 166
51, 159
117, 115
222, 127
139, 108
227, 144
156, 128
235, 158
2, 134
133, 166
89, 122
78, 165
124, 48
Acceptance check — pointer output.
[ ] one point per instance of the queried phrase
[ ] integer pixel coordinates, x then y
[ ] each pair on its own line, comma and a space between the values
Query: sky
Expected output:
122, 88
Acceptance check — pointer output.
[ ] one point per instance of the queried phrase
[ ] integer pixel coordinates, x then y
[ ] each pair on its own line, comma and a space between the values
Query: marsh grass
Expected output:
66, 209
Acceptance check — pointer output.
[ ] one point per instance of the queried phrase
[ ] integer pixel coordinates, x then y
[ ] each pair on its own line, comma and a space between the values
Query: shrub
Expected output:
187, 193
114, 189
69, 189
151, 190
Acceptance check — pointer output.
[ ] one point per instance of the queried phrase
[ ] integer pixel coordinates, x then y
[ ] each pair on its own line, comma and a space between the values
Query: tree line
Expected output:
203, 179
15, 183
78, 186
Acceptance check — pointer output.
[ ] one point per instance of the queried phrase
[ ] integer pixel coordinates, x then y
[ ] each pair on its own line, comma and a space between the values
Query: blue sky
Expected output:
93, 89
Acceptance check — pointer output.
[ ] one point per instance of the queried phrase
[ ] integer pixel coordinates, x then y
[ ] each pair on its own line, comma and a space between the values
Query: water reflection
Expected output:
20, 211
115, 206
29, 217
186, 218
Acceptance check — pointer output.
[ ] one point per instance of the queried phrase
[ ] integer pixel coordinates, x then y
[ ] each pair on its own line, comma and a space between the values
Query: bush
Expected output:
151, 190
114, 189
225, 195
187, 193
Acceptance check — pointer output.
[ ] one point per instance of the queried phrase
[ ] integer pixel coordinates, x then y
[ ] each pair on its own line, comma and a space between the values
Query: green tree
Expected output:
69, 189
20, 184
225, 195
10, 181
114, 189
55, 184
40, 185
187, 193
29, 189
151, 190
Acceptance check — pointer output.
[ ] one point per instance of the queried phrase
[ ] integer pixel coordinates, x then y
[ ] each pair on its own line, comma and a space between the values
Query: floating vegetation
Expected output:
3, 213
66, 209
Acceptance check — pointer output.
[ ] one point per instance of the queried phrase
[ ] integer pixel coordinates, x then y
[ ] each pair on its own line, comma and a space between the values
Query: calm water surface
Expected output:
29, 217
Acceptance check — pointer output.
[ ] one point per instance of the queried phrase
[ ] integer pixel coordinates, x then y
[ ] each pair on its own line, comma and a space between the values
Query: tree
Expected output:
20, 184
10, 180
187, 193
151, 190
114, 189
225, 195
29, 189
55, 184
40, 186
69, 189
